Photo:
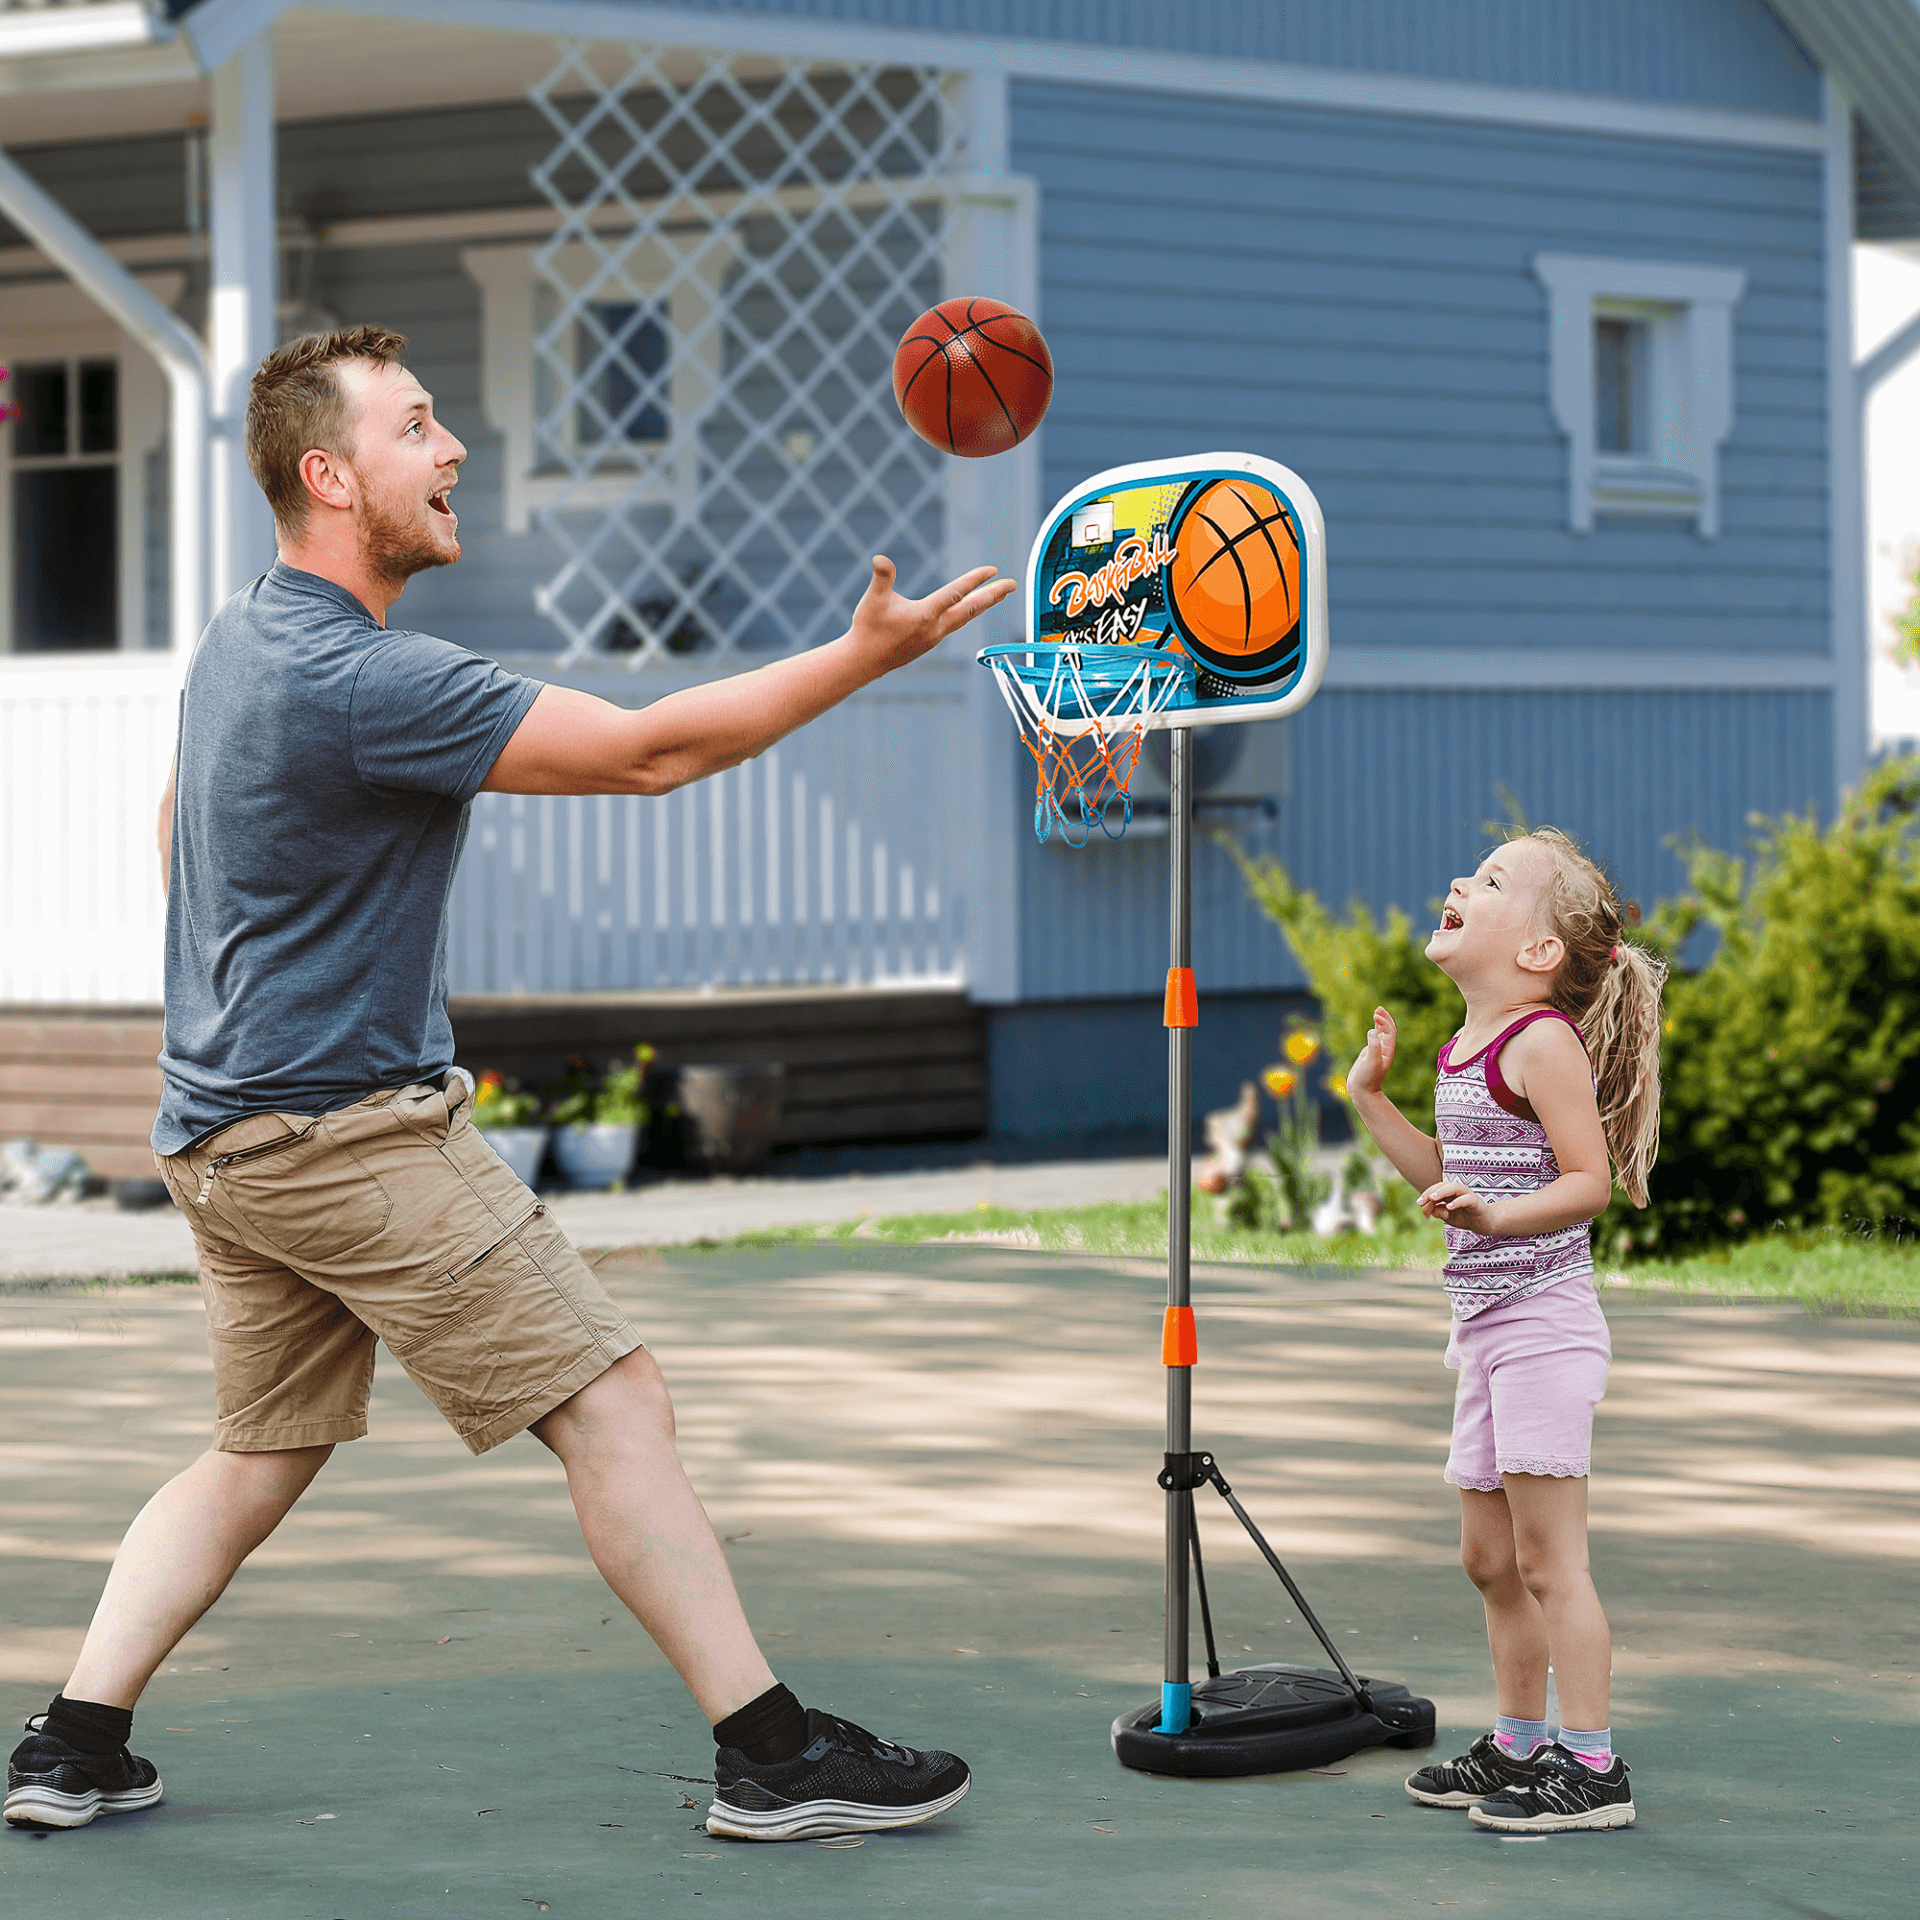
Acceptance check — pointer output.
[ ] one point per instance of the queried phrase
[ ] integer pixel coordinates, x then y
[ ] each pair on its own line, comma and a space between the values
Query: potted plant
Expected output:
598, 1124
510, 1120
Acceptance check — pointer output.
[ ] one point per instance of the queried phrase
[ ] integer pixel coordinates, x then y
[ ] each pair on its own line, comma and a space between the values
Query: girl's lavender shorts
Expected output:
1531, 1373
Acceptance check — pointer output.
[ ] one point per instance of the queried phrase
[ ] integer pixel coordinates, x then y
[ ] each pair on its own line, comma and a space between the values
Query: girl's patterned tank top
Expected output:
1491, 1140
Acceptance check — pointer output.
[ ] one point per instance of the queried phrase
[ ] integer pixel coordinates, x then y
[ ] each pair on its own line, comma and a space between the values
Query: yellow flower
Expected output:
1669, 1023
1279, 1081
1302, 1048
1337, 1085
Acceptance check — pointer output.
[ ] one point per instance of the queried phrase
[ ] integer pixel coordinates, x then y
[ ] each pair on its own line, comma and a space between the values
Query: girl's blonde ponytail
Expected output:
1610, 988
1622, 1030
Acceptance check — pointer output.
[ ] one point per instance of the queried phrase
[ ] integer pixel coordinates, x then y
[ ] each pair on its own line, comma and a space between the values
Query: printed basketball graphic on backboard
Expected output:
1234, 584
1215, 558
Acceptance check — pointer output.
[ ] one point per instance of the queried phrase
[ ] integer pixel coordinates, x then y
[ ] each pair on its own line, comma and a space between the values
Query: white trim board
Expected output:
1148, 68
1558, 669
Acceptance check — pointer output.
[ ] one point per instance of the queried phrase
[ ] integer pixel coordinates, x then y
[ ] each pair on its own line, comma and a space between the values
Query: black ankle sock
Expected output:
767, 1730
88, 1727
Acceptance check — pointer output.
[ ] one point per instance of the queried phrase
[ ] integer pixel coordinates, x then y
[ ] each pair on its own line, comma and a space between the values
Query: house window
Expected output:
66, 506
620, 351
1620, 386
1640, 381
588, 397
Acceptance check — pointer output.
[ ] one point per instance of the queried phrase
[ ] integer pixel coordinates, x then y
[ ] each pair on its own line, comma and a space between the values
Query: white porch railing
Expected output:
833, 857
85, 745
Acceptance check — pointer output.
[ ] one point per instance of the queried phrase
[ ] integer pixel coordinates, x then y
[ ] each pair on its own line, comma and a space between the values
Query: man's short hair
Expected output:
296, 403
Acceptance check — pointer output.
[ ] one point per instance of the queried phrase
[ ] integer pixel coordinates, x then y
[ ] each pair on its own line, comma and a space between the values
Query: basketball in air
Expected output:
973, 377
1234, 583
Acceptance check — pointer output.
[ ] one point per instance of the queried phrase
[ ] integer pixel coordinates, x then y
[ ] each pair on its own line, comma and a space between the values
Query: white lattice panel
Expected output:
742, 242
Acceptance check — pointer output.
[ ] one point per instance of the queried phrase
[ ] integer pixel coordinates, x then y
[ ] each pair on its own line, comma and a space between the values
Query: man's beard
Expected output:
397, 545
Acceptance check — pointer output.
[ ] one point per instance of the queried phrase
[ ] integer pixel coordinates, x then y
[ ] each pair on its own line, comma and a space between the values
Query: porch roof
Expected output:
53, 53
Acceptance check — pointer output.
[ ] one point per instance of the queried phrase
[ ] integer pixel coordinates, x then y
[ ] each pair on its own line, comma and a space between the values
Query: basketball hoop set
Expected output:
1163, 595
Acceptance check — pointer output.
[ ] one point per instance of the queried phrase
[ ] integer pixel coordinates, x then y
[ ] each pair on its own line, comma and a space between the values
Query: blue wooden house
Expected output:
1548, 299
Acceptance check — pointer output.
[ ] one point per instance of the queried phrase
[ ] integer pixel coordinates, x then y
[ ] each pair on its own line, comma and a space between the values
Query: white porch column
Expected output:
240, 323
993, 509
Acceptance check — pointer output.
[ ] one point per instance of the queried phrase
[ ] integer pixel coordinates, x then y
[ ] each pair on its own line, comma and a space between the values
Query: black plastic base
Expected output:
1274, 1719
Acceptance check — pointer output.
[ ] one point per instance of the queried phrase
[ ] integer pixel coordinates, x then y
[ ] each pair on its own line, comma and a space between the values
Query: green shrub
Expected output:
1359, 963
1791, 1069
1792, 1059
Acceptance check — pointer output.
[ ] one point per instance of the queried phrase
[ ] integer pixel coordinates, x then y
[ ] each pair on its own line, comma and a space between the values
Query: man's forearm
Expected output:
724, 722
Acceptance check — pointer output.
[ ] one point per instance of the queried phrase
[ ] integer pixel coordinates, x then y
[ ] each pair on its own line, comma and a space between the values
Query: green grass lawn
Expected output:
1832, 1271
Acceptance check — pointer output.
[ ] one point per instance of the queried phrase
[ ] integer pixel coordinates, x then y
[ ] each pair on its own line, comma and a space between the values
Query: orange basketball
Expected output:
1234, 585
973, 377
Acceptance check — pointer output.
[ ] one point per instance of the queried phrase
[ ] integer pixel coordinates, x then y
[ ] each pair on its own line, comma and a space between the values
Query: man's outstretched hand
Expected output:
892, 629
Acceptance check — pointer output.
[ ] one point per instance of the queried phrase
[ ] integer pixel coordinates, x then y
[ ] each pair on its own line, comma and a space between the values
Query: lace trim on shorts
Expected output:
1550, 1469
1470, 1483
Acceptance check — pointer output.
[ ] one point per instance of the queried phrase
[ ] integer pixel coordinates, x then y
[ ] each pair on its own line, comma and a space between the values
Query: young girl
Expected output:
1555, 1072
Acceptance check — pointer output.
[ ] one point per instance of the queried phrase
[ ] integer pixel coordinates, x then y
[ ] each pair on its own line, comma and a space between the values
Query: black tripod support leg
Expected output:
1200, 1586
1272, 1559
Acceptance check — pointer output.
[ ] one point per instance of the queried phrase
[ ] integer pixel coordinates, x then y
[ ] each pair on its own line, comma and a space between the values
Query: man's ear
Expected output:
326, 477
1542, 954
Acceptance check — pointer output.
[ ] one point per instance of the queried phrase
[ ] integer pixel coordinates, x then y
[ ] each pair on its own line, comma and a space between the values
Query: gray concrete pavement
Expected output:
94, 1240
933, 1469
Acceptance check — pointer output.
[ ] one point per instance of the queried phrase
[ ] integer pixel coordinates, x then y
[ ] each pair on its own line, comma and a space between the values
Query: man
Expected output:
314, 1136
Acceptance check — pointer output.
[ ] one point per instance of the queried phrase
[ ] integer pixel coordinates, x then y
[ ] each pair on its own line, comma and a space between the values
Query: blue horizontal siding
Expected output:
1391, 793
1726, 53
487, 601
1354, 296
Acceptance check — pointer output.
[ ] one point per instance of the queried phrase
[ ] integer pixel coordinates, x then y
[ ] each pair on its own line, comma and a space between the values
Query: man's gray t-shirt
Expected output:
320, 801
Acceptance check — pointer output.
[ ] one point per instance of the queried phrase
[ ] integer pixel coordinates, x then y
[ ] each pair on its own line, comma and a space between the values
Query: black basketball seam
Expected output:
1019, 353
980, 327
1246, 585
1227, 545
939, 353
1261, 525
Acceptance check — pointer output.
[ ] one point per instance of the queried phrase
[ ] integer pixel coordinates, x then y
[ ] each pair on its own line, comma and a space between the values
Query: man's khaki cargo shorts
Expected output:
391, 1219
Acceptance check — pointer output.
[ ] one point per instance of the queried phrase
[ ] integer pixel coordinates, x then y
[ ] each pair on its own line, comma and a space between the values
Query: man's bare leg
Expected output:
649, 1535
184, 1546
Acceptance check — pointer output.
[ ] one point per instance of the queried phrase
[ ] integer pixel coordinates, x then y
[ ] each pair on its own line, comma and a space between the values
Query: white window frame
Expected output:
507, 282
54, 320
1688, 313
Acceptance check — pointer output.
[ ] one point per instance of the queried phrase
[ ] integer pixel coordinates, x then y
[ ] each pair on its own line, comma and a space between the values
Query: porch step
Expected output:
863, 1063
83, 1080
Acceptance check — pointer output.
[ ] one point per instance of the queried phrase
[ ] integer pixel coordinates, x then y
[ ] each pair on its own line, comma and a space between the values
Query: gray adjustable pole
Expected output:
1176, 1693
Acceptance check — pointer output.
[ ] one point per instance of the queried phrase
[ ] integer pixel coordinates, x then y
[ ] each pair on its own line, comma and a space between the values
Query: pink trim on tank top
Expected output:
1504, 1095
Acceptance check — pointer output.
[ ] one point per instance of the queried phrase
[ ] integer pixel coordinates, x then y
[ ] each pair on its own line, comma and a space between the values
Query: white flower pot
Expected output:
522, 1148
595, 1156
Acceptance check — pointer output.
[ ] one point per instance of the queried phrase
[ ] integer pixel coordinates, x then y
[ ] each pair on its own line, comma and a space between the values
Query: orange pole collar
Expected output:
1183, 1003
1179, 1346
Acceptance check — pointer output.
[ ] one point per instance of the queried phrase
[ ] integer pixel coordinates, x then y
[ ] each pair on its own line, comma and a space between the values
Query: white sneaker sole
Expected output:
1457, 1802
820, 1819
1598, 1820
37, 1806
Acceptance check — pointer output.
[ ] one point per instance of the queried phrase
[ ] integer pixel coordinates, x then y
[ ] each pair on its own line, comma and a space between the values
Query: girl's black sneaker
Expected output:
1486, 1767
847, 1780
1565, 1796
50, 1784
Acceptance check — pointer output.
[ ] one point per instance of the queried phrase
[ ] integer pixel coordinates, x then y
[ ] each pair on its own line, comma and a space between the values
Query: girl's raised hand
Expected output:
1455, 1204
1368, 1073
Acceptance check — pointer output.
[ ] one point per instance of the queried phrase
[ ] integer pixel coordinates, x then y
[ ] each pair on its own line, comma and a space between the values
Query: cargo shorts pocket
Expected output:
493, 1333
305, 1194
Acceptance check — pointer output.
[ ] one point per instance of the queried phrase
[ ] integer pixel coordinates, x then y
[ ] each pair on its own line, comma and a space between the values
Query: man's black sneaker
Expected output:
1486, 1767
846, 1781
50, 1784
1565, 1795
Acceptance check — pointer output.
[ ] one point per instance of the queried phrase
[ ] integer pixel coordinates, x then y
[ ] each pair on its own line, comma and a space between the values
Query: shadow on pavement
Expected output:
934, 1470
